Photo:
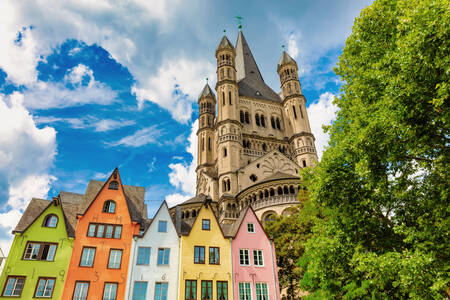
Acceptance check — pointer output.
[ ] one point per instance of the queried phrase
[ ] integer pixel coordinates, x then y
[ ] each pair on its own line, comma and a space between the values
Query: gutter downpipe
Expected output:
132, 266
231, 259
273, 268
180, 244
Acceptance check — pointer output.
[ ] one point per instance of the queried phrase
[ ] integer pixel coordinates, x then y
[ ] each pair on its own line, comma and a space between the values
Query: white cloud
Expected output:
175, 86
322, 112
183, 175
99, 125
292, 47
149, 135
26, 155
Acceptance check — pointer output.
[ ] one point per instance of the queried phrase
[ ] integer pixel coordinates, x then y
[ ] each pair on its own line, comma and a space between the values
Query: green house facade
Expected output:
37, 263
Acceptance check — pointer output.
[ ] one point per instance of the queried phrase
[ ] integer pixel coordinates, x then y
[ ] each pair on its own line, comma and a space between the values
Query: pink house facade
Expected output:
254, 261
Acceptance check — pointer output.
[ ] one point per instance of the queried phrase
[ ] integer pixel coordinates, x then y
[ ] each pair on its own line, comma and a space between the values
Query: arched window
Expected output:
228, 185
224, 186
203, 143
261, 195
194, 213
269, 218
285, 189
221, 74
224, 152
182, 215
272, 122
280, 191
228, 206
50, 221
247, 118
229, 98
187, 215
272, 192
257, 120
209, 143
278, 124
301, 111
113, 185
228, 73
304, 163
266, 193
109, 207
295, 113
242, 117
263, 121
291, 189
253, 177
223, 98
264, 147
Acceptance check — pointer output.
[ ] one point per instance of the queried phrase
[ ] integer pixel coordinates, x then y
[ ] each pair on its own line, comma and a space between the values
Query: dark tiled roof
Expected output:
69, 197
207, 92
200, 198
70, 213
224, 44
34, 209
235, 226
279, 175
134, 196
250, 81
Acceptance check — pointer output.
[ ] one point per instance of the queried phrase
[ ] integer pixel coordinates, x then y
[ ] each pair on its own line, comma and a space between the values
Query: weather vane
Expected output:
206, 80
239, 21
224, 31
282, 46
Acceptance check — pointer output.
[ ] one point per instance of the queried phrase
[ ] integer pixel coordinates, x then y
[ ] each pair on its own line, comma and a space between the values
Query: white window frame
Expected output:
164, 256
253, 227
257, 256
88, 256
242, 252
114, 258
261, 295
107, 294
245, 296
45, 290
81, 290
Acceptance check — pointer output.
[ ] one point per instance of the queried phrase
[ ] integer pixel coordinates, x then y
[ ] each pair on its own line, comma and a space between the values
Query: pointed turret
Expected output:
206, 93
224, 44
286, 59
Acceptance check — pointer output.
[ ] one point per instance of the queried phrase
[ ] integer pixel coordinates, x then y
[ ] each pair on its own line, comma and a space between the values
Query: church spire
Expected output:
246, 66
285, 59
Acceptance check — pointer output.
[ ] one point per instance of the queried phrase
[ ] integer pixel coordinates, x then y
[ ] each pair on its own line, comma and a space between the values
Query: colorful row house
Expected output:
101, 245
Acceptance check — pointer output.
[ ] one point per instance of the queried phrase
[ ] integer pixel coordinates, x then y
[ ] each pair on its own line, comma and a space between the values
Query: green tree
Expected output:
383, 183
289, 234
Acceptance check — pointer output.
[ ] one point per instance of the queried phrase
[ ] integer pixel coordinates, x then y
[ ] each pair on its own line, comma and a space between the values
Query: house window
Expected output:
50, 221
109, 207
222, 290
140, 290
163, 256
14, 286
244, 259
113, 185
214, 255
199, 254
81, 290
162, 226
98, 230
206, 224
262, 291
161, 290
44, 287
39, 251
206, 290
115, 259
143, 257
245, 291
190, 290
250, 227
87, 257
258, 258
110, 291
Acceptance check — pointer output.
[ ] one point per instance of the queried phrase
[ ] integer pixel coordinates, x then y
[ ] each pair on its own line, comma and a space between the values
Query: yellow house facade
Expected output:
205, 258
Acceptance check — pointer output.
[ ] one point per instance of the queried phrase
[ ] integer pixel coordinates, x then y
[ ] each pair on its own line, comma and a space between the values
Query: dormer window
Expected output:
109, 207
50, 221
113, 185
206, 224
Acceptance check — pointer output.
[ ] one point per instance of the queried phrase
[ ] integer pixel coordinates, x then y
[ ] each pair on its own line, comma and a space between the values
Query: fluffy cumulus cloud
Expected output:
79, 87
182, 175
175, 86
26, 154
322, 112
292, 46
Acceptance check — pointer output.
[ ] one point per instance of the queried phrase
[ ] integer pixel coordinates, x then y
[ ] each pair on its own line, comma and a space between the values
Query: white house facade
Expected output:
153, 271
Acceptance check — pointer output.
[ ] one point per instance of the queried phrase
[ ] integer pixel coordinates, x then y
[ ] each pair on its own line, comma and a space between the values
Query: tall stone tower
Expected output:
253, 151
294, 105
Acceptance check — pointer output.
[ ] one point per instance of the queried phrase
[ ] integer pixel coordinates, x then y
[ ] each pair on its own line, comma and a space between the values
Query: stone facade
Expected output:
252, 147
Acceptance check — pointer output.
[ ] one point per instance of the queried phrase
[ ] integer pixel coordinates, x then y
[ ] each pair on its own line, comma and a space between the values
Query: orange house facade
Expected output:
103, 237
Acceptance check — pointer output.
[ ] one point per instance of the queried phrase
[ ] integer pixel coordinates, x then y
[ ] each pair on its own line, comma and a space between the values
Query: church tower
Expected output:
228, 129
205, 133
294, 104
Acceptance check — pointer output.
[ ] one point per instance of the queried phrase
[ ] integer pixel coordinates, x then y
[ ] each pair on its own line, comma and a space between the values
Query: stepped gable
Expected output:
250, 81
134, 195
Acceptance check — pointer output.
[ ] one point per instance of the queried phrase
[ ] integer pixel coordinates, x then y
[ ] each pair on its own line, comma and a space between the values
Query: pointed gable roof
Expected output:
285, 59
149, 222
207, 92
237, 224
250, 81
134, 197
224, 44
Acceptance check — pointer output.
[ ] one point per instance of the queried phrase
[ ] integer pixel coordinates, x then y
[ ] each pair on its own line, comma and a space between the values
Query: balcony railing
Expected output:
274, 200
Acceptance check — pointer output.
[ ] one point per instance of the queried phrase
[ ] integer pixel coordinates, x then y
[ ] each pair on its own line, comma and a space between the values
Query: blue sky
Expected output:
86, 86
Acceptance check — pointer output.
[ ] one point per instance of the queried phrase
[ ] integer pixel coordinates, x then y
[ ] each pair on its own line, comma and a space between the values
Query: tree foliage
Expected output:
383, 183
